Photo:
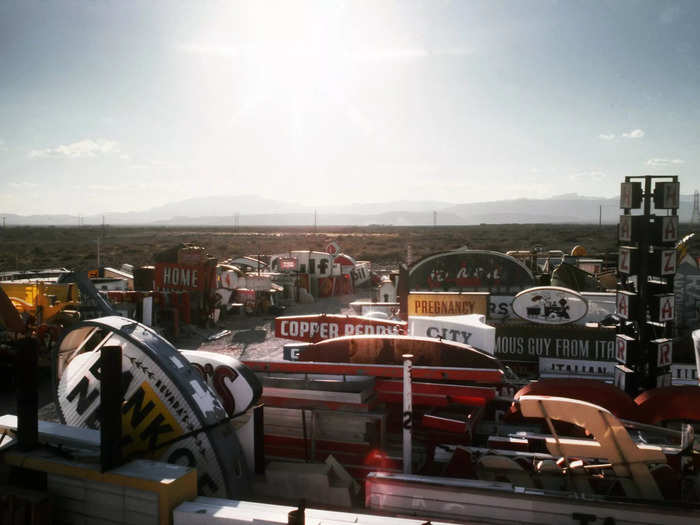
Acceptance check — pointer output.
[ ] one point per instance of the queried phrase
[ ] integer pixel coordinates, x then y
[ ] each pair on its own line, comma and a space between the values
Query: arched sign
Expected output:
168, 413
470, 271
550, 305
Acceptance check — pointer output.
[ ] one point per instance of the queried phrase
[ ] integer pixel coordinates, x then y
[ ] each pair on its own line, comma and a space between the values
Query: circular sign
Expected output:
550, 305
470, 271
333, 248
169, 413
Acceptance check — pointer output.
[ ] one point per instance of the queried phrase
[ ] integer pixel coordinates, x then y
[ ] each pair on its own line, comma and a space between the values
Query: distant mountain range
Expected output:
258, 211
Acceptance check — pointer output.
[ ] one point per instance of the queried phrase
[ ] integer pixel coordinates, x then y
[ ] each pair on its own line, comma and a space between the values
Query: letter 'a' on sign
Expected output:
661, 308
663, 349
630, 195
627, 304
631, 228
664, 230
667, 195
663, 262
628, 260
625, 346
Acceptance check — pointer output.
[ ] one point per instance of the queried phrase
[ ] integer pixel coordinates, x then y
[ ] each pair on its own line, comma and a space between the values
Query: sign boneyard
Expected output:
470, 270
550, 305
169, 412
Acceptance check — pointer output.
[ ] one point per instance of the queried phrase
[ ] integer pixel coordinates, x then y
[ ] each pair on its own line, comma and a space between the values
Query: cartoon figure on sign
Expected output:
546, 307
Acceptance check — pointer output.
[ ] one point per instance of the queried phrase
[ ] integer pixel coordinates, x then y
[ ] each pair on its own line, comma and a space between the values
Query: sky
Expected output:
110, 106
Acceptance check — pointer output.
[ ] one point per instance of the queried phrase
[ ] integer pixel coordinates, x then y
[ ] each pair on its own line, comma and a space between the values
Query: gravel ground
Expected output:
253, 337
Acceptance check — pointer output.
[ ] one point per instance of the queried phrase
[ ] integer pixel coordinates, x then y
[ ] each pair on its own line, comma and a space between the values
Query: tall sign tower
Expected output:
695, 217
647, 266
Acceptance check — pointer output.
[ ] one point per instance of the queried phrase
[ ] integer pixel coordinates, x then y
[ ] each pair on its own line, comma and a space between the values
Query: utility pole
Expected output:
434, 219
600, 215
3, 223
315, 222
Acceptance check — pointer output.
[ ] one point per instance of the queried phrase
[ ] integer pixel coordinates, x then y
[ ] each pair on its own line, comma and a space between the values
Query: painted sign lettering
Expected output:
669, 228
444, 333
470, 270
626, 304
313, 328
447, 303
529, 343
172, 276
664, 351
623, 342
603, 370
630, 195
667, 195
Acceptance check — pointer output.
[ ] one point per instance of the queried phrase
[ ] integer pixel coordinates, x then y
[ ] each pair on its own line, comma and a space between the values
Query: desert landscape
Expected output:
32, 247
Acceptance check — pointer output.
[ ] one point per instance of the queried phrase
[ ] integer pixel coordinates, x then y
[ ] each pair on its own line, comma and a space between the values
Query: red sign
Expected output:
664, 351
623, 344
288, 263
173, 276
313, 328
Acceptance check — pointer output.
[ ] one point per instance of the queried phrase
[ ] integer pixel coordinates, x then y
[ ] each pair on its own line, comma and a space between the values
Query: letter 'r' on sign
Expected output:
625, 344
664, 351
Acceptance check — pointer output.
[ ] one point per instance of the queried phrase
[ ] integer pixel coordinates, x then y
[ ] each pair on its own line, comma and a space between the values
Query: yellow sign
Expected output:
433, 304
146, 422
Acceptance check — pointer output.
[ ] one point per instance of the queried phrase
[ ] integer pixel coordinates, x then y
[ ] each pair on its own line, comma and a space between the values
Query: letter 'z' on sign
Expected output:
628, 260
664, 351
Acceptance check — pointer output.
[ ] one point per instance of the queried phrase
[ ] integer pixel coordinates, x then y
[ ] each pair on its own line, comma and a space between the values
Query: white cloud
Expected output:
3, 146
606, 136
82, 148
657, 162
23, 185
634, 134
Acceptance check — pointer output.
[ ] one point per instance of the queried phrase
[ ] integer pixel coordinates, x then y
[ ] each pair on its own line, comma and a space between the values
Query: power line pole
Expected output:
434, 219
315, 222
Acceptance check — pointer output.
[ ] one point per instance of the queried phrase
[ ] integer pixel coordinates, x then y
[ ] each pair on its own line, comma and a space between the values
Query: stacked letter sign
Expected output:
648, 255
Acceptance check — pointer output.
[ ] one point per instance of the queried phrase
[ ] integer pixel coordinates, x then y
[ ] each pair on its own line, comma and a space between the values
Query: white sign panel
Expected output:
623, 342
550, 305
664, 351
468, 329
669, 228
666, 308
684, 374
549, 367
625, 229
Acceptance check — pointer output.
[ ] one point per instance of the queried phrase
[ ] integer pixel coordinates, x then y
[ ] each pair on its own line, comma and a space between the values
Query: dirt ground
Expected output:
24, 248
253, 337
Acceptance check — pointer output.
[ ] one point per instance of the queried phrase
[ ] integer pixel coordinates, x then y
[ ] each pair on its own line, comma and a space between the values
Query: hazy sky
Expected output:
116, 106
